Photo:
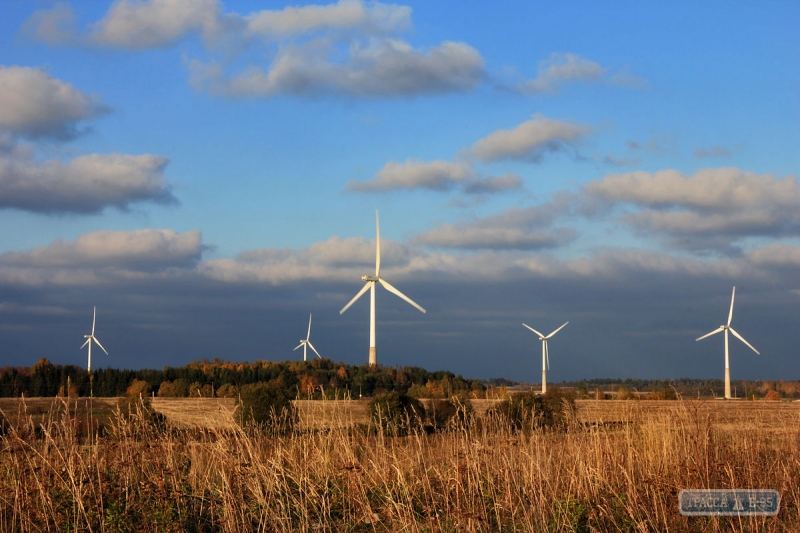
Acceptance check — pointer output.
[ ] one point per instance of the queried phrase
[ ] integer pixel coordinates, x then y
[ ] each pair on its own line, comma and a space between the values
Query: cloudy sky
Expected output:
207, 172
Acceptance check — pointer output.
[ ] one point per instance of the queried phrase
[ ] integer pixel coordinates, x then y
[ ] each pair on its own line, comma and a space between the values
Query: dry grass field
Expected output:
618, 466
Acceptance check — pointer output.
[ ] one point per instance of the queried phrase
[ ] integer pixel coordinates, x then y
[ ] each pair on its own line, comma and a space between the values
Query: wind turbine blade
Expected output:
377, 245
721, 328
94, 318
308, 336
364, 289
298, 346
100, 345
88, 340
547, 354
533, 330
389, 287
744, 341
730, 314
315, 350
556, 331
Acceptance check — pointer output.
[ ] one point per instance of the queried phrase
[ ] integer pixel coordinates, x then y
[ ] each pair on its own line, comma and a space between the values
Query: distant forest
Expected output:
325, 378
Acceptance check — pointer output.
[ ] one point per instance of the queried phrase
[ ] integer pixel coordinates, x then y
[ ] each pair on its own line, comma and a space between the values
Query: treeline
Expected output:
685, 387
313, 379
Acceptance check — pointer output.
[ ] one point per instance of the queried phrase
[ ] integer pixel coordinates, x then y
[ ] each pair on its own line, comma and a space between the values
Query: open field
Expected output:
593, 476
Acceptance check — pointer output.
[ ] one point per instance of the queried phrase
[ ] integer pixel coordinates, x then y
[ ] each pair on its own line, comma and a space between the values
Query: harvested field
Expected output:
210, 413
38, 410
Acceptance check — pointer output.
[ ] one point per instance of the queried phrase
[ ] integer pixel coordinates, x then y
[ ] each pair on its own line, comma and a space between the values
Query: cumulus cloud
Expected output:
131, 24
475, 237
515, 229
344, 15
561, 69
775, 255
712, 203
380, 68
139, 249
144, 24
492, 184
531, 140
433, 175
87, 184
349, 48
335, 259
33, 104
54, 26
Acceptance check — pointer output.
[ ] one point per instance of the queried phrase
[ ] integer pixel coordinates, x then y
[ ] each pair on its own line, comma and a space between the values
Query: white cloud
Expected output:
87, 184
775, 255
34, 104
716, 206
514, 229
54, 26
344, 15
434, 175
145, 24
380, 68
473, 238
336, 259
349, 48
147, 248
492, 184
137, 25
529, 141
561, 69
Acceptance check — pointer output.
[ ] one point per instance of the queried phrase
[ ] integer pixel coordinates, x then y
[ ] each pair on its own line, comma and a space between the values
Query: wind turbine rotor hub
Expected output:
369, 278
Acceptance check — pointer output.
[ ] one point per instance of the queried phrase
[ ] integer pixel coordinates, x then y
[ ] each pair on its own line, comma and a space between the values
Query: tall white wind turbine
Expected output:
726, 328
545, 352
307, 343
89, 338
370, 285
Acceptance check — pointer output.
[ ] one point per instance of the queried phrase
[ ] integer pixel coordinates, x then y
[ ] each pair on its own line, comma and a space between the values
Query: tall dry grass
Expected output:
140, 475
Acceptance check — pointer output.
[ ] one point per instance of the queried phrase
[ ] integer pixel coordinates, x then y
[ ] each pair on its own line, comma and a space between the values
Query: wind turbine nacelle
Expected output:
369, 278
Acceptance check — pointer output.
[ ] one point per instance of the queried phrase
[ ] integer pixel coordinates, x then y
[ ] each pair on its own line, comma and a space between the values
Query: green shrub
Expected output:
266, 404
527, 410
455, 412
396, 413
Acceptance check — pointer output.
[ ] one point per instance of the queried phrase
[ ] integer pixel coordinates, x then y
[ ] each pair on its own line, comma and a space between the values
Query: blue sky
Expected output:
207, 172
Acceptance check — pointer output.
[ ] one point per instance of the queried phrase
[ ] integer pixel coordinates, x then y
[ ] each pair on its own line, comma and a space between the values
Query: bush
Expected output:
266, 404
396, 413
528, 410
174, 389
137, 389
773, 396
454, 413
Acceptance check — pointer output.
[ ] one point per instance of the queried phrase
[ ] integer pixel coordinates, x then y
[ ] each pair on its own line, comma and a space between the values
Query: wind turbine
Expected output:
726, 328
370, 285
545, 352
307, 343
89, 338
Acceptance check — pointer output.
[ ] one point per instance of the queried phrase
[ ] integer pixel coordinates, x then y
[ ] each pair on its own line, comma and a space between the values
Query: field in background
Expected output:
217, 413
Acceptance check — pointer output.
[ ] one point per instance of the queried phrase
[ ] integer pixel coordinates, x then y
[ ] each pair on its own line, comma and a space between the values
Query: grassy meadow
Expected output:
109, 465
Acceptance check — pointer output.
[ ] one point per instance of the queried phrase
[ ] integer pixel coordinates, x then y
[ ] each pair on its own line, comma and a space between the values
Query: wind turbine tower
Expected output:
545, 352
307, 343
89, 338
370, 285
726, 328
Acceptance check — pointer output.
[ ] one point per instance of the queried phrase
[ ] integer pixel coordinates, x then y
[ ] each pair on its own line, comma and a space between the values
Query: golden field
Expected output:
618, 466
